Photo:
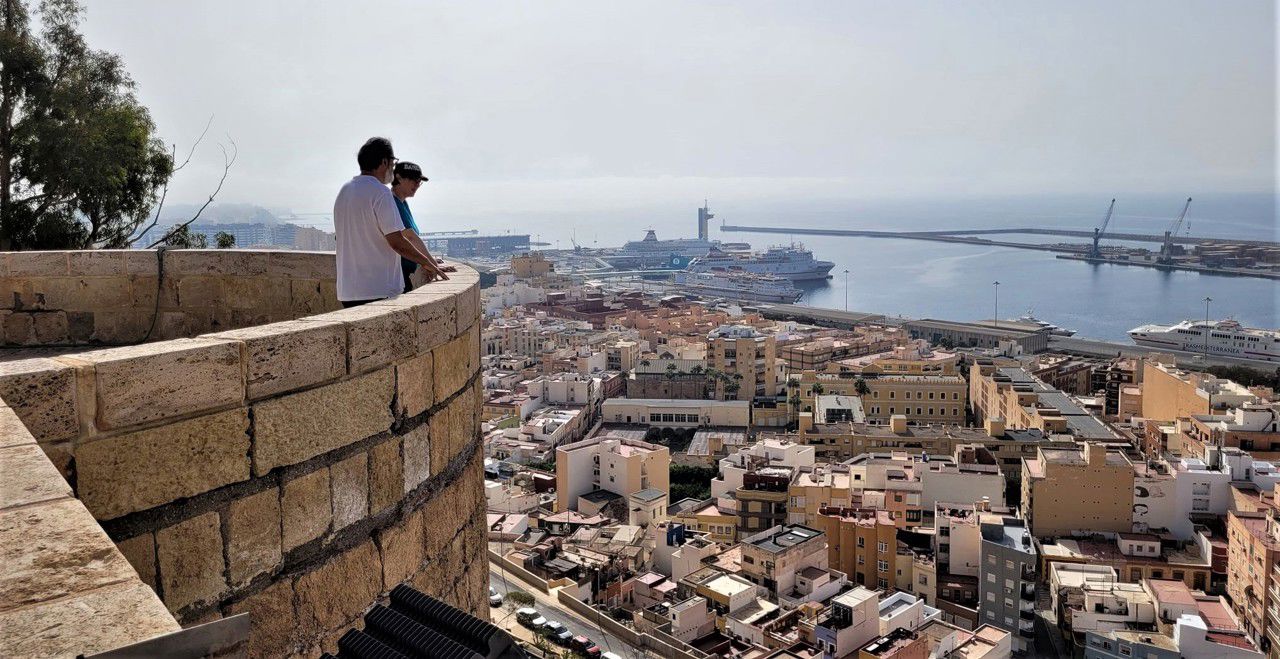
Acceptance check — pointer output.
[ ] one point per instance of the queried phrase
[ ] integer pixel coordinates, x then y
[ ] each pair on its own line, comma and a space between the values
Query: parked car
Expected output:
585, 647
556, 631
495, 598
529, 617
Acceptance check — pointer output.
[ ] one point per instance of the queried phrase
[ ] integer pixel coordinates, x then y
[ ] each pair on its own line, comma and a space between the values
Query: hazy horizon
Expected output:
597, 109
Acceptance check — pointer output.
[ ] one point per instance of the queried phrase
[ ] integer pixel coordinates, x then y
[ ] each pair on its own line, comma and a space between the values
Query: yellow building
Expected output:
531, 265
1087, 489
720, 526
862, 543
914, 381
1253, 557
815, 488
746, 357
1170, 393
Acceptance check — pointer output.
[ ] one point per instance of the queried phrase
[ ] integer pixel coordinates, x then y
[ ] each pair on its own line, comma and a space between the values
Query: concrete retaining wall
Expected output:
297, 470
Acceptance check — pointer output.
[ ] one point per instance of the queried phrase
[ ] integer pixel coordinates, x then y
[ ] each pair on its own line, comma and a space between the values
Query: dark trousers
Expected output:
408, 268
347, 304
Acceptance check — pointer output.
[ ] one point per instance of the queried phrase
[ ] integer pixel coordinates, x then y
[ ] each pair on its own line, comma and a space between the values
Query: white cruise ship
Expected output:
1224, 337
793, 262
739, 286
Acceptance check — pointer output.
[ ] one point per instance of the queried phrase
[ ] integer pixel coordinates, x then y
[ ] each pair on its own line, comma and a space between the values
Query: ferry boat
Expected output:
792, 262
739, 286
1217, 337
653, 253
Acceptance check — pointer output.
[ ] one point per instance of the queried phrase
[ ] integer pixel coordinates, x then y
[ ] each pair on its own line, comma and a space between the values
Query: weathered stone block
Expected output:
339, 591
414, 381
12, 430
306, 508
253, 536
295, 427
190, 557
376, 335
272, 618
468, 307
96, 621
435, 315
402, 550
144, 469
417, 456
290, 355
80, 326
201, 291
74, 555
141, 262
386, 476
143, 291
302, 265
155, 381
140, 551
452, 367
51, 327
19, 329
186, 262
43, 394
96, 262
27, 476
37, 264
120, 327
306, 297
350, 482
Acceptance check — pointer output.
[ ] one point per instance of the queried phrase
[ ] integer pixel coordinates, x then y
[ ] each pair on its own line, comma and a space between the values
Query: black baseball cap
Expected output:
409, 170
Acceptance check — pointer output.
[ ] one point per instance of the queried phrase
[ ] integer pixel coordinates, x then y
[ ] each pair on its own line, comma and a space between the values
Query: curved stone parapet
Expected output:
296, 470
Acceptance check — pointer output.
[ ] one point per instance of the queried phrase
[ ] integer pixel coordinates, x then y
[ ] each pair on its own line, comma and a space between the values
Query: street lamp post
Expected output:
846, 291
996, 286
1207, 300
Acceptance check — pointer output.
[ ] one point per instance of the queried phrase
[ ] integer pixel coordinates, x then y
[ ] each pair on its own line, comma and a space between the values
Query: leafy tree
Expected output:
183, 238
224, 240
645, 362
818, 389
80, 165
860, 385
696, 369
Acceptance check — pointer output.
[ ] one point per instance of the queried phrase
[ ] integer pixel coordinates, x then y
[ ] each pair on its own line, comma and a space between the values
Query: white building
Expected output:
678, 413
1168, 491
768, 452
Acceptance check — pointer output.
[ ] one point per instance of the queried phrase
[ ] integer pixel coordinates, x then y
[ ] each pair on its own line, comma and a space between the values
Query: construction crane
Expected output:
1096, 252
1166, 249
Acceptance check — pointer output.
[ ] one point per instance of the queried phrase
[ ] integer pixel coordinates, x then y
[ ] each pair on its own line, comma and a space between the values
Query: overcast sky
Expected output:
534, 106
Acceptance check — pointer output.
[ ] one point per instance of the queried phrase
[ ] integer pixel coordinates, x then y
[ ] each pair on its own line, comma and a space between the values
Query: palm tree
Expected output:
818, 389
645, 362
696, 369
860, 386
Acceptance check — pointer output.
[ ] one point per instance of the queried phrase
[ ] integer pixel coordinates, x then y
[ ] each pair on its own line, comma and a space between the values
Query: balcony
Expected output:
1028, 592
1029, 616
1026, 605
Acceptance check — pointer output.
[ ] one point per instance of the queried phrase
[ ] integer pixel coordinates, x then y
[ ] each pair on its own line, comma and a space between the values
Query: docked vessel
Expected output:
1216, 337
792, 262
1049, 327
651, 253
738, 286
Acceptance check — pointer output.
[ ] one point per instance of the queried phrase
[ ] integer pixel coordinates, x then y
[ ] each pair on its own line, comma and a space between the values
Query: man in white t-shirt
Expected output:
371, 236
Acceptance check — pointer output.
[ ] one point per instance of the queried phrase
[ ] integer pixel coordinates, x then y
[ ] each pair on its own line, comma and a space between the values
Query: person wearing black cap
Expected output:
405, 183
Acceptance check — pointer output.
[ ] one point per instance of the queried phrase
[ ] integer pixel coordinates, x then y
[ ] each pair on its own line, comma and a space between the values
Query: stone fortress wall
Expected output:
296, 470
123, 296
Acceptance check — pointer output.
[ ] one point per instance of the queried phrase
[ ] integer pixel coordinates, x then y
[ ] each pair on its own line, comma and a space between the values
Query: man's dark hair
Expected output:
373, 153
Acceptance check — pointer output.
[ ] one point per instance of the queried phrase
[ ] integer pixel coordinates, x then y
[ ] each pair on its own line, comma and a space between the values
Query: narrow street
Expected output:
549, 607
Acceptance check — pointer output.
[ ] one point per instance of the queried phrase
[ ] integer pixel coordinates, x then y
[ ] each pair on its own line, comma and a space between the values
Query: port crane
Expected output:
1096, 252
1166, 248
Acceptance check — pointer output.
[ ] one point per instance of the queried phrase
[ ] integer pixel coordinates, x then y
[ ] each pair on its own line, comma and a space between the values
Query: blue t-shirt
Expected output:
406, 217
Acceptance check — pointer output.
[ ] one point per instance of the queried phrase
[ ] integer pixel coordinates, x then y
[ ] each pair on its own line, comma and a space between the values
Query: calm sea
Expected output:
925, 279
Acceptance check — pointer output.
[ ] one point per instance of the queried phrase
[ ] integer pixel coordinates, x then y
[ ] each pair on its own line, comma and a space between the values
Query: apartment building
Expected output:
746, 356
1100, 484
1253, 552
1170, 393
1013, 396
621, 466
1253, 427
862, 543
913, 381
1172, 494
669, 378
1007, 577
817, 487
777, 557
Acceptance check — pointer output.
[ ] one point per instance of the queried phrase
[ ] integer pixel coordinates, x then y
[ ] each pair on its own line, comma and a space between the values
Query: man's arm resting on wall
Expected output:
417, 240
405, 247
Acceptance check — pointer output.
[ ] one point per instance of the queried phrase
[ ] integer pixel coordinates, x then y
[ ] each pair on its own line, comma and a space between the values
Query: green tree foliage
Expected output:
80, 165
860, 385
1246, 376
224, 240
183, 238
689, 481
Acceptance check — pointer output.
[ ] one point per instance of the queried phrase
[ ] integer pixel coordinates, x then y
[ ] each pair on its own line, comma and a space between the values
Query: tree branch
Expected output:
228, 160
164, 192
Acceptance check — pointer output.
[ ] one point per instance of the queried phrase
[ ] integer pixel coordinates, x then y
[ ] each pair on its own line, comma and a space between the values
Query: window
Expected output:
991, 596
862, 542
1126, 650
748, 559
862, 560
924, 580
1008, 565
918, 411
930, 395
881, 547
991, 559
882, 566
891, 396
991, 577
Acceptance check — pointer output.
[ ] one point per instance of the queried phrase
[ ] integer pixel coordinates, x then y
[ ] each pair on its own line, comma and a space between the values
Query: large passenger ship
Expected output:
793, 262
738, 286
1217, 337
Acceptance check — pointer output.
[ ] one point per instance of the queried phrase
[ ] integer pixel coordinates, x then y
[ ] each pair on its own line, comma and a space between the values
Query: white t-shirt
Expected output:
363, 214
